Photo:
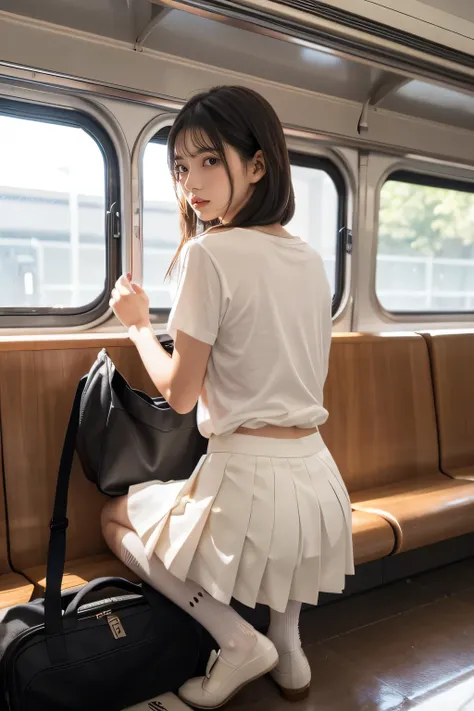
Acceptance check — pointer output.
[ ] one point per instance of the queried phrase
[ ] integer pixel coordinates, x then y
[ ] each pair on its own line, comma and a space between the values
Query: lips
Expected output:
199, 202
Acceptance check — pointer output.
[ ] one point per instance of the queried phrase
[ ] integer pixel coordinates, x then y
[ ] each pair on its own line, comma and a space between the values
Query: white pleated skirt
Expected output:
260, 520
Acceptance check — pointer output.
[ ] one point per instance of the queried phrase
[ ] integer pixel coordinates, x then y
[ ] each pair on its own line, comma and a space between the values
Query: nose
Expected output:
193, 181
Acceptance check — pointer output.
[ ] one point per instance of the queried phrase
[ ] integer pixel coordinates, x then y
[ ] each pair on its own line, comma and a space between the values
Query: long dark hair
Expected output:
241, 118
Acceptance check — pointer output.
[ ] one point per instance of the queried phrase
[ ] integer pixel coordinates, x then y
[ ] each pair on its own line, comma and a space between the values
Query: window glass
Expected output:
52, 215
161, 234
317, 214
425, 257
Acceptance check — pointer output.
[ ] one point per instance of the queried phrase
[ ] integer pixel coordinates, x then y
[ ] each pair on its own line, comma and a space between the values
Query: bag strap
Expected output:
59, 521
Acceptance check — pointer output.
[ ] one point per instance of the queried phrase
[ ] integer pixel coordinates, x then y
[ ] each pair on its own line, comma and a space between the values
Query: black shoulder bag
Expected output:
81, 651
126, 437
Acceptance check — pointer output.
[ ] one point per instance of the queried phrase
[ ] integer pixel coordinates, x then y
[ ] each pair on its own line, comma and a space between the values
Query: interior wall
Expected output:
448, 22
39, 46
155, 82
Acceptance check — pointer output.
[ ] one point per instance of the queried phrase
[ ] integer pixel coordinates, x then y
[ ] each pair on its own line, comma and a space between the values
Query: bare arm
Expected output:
180, 377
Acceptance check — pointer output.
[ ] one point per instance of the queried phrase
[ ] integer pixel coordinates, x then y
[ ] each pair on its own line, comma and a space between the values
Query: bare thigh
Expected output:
116, 511
115, 523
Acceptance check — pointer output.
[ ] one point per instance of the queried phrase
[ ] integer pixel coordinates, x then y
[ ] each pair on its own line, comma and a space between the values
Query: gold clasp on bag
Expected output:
116, 626
104, 613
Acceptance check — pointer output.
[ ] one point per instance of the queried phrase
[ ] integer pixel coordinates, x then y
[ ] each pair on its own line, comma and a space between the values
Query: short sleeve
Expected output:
197, 305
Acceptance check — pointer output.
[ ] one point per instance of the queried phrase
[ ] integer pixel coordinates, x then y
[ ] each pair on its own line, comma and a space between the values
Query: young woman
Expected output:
265, 517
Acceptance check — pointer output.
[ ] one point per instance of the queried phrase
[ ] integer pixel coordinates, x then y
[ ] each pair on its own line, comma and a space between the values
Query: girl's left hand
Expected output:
130, 303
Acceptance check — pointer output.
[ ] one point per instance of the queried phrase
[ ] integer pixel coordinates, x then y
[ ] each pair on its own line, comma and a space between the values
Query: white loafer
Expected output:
223, 680
293, 675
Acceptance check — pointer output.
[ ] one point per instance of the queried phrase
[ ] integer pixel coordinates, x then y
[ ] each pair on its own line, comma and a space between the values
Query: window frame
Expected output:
303, 160
45, 316
412, 177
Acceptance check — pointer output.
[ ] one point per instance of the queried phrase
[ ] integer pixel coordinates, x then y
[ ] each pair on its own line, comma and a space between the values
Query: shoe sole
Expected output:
293, 694
236, 691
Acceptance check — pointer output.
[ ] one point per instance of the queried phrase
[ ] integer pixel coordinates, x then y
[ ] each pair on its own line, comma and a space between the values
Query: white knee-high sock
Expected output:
284, 628
233, 634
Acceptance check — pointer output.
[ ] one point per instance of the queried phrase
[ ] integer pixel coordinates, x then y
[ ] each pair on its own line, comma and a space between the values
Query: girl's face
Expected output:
203, 180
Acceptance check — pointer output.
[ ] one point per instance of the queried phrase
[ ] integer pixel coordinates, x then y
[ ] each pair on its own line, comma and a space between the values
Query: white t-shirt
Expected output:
264, 305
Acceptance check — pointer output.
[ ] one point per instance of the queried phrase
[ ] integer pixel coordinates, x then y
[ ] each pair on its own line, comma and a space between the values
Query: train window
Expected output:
425, 256
56, 184
319, 189
160, 224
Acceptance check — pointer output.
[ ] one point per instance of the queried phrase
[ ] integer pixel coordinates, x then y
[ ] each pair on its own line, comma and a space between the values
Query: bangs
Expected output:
194, 133
192, 140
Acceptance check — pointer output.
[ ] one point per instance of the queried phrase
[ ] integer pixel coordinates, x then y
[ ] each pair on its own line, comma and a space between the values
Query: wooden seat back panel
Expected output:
4, 563
452, 358
381, 427
36, 393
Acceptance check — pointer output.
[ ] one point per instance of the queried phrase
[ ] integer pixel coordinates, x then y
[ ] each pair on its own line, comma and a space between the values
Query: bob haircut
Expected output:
241, 118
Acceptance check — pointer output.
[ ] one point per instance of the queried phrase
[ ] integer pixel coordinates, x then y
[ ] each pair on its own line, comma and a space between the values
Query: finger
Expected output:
111, 303
123, 290
122, 281
115, 294
124, 287
137, 288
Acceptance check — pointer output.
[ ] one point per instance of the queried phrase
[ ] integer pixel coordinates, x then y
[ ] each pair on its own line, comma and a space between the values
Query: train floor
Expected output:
408, 646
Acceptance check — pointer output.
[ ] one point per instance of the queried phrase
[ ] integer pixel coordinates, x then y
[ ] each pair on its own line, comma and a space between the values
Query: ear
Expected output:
258, 167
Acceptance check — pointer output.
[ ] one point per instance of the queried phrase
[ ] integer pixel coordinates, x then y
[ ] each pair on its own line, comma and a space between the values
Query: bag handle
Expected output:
100, 584
59, 522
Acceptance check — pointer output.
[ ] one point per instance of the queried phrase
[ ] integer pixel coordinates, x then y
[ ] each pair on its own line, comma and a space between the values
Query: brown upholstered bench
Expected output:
373, 537
38, 378
382, 434
452, 363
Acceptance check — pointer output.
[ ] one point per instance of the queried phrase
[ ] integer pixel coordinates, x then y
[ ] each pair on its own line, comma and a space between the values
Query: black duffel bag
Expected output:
89, 652
126, 437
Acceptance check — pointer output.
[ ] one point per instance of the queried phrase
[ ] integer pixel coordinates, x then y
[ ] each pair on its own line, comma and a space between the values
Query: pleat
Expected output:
149, 503
217, 559
182, 533
255, 527
342, 494
306, 580
337, 480
258, 538
333, 528
284, 546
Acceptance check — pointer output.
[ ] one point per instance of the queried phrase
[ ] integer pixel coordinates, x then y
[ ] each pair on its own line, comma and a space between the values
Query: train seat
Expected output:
452, 360
38, 379
372, 536
14, 588
382, 434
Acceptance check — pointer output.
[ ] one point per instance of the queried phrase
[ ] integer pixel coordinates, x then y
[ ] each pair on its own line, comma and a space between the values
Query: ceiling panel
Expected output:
203, 40
211, 42
433, 102
111, 18
460, 8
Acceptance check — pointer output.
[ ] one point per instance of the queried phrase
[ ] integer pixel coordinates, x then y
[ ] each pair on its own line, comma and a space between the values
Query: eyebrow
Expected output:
198, 153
